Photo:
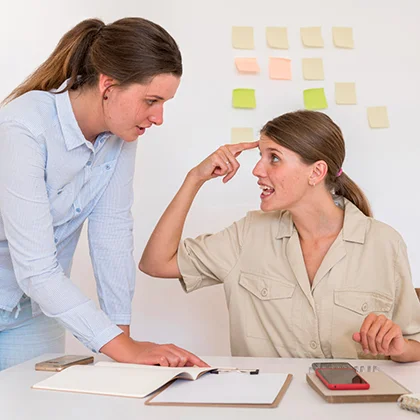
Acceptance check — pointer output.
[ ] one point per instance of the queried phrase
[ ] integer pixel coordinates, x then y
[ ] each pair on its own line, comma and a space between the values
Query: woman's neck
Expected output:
318, 218
87, 108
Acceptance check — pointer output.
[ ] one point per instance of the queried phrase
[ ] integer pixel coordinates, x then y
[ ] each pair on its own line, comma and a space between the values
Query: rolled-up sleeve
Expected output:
407, 305
208, 259
111, 240
28, 226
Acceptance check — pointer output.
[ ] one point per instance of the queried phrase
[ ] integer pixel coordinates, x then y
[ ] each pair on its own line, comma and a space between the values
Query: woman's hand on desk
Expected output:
124, 349
379, 335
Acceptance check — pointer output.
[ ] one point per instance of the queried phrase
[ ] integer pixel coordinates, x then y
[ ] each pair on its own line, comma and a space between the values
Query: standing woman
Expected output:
67, 152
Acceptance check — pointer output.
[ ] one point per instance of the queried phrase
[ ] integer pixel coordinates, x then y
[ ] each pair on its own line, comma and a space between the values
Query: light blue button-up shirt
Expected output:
51, 180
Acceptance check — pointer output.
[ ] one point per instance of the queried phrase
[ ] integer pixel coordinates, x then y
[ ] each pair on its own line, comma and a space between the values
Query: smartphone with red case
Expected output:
341, 378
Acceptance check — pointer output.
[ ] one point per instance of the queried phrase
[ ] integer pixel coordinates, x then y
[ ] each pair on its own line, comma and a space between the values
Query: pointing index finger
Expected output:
239, 147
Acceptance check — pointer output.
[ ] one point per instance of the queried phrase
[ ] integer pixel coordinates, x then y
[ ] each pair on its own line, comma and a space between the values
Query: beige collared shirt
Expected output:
273, 309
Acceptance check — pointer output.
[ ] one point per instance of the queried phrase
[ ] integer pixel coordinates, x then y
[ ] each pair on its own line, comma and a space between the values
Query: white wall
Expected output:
385, 66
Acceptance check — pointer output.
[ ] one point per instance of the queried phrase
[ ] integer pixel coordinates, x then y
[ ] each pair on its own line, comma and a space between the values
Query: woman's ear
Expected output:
105, 82
319, 172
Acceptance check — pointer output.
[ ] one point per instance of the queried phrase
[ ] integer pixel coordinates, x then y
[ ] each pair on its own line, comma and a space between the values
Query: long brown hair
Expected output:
314, 136
130, 50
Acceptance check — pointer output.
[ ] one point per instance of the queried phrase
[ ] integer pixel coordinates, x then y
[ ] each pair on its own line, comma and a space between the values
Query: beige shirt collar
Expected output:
354, 227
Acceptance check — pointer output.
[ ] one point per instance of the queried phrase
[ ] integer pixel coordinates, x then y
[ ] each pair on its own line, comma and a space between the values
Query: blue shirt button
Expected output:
89, 163
78, 210
55, 240
108, 167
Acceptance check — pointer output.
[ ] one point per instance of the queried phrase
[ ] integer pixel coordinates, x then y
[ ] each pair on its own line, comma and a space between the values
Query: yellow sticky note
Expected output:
247, 65
378, 117
280, 68
244, 98
312, 37
243, 37
345, 93
315, 99
343, 37
241, 134
313, 68
277, 37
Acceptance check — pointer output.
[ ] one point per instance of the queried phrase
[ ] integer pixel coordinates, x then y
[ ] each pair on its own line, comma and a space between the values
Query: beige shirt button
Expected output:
365, 307
313, 345
264, 292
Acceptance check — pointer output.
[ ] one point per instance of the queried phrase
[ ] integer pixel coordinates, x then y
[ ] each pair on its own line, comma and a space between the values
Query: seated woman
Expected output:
312, 274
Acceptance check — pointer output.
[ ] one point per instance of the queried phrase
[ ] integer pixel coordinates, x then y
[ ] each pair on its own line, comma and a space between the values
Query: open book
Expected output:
119, 379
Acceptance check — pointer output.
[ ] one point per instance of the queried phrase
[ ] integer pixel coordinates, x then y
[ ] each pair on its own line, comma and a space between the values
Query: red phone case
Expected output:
339, 387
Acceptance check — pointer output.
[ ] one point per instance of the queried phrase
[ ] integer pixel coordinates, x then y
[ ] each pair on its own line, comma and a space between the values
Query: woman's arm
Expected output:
160, 255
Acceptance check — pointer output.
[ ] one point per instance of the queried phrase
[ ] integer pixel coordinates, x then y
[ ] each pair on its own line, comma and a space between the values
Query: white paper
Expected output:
225, 388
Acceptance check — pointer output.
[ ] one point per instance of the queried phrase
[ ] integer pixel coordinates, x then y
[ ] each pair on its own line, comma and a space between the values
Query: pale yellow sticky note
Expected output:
241, 134
247, 65
280, 68
243, 37
345, 94
343, 37
277, 37
313, 68
312, 37
378, 117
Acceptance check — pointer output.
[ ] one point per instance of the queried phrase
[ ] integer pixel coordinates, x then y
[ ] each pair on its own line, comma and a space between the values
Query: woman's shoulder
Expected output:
383, 232
35, 110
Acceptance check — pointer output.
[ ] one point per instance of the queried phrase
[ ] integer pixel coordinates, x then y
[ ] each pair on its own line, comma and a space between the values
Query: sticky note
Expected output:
378, 117
247, 65
315, 98
345, 93
343, 37
280, 68
243, 37
313, 68
277, 37
244, 98
312, 37
241, 134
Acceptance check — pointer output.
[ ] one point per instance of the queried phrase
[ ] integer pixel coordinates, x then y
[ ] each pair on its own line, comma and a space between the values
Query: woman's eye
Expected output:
151, 101
274, 158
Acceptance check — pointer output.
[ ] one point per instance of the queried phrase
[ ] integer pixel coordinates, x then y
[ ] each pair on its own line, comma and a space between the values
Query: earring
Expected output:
105, 97
312, 184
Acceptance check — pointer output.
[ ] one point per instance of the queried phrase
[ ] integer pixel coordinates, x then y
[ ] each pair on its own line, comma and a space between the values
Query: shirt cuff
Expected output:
104, 337
120, 319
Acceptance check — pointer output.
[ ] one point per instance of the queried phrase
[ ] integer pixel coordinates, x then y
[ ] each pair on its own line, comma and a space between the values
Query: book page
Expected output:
184, 372
106, 380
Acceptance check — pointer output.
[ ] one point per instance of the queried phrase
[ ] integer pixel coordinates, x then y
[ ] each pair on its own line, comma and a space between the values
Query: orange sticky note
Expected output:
280, 68
247, 65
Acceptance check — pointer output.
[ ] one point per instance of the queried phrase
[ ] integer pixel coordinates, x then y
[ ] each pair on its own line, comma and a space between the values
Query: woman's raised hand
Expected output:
222, 162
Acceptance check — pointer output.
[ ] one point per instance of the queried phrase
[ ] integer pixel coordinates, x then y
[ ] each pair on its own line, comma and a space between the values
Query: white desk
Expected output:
19, 402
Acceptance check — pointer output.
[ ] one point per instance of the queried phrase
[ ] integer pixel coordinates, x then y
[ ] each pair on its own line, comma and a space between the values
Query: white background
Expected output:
385, 65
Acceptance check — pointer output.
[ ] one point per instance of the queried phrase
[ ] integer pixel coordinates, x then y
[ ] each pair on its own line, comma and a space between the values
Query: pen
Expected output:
228, 370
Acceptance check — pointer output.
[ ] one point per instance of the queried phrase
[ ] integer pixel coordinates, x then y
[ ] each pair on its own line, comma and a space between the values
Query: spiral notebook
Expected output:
410, 402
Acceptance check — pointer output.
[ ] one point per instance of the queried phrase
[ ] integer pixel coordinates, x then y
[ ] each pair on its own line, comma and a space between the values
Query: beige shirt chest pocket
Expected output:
268, 304
350, 310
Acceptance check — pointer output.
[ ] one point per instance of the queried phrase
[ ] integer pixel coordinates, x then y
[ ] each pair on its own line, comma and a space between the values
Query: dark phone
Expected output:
341, 379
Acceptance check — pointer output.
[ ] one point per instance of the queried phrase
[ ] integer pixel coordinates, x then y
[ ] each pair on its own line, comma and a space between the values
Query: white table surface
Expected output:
19, 402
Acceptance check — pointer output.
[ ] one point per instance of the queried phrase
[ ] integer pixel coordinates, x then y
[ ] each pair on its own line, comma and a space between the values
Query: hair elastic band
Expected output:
339, 172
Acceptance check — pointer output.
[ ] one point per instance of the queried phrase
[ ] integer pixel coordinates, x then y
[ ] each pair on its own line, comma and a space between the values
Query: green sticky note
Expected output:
315, 98
244, 98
